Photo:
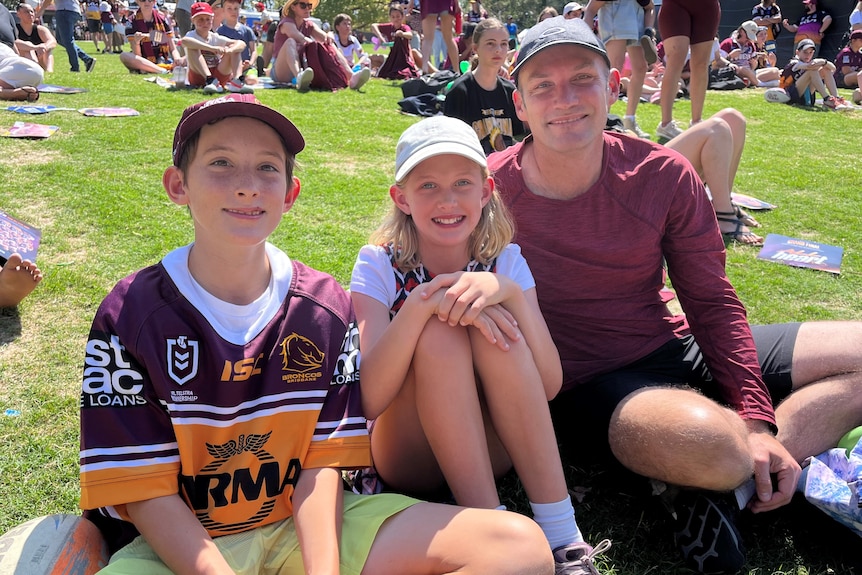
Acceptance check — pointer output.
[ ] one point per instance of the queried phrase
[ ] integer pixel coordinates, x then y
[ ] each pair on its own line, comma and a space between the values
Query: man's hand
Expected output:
771, 459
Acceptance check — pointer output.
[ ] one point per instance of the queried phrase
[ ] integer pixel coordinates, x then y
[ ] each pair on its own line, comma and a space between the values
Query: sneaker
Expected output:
632, 126
706, 533
841, 103
830, 102
358, 79
213, 87
90, 64
577, 558
238, 88
303, 80
668, 131
650, 51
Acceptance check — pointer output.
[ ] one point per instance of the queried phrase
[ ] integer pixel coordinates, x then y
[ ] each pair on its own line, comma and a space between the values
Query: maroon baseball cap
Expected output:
199, 115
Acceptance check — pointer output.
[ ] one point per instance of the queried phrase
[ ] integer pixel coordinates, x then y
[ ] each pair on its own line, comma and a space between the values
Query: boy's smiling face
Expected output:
236, 183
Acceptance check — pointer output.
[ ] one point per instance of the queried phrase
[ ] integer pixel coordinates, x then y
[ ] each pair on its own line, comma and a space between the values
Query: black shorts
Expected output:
805, 99
94, 26
582, 414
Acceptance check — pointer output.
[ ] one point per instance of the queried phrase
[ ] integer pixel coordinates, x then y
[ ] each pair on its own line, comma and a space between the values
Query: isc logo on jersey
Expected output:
110, 379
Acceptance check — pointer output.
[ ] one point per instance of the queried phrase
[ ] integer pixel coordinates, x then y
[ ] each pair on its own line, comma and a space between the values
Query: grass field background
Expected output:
95, 191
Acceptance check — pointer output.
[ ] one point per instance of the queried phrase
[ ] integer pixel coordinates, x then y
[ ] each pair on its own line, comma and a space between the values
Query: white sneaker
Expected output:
632, 126
303, 80
358, 79
668, 131
238, 88
213, 88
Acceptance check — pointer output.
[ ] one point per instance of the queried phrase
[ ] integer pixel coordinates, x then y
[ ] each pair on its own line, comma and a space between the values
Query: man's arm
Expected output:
179, 539
317, 508
827, 21
591, 10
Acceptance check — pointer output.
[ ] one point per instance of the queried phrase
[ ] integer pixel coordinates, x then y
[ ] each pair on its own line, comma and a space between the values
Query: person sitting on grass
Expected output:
703, 401
482, 97
740, 49
349, 44
151, 39
238, 400
18, 277
35, 41
805, 76
235, 30
442, 252
299, 40
402, 62
19, 76
848, 62
215, 61
714, 148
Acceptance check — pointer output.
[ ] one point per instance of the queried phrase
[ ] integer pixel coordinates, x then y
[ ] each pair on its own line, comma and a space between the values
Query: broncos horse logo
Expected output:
300, 355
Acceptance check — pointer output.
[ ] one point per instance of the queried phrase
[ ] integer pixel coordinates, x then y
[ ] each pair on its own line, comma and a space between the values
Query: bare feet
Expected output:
28, 93
17, 279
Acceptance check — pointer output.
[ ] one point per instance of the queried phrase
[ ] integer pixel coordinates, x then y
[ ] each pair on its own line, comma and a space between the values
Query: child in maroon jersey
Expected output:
220, 397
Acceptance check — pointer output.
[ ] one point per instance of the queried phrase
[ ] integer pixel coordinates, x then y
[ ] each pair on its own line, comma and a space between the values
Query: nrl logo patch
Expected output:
182, 359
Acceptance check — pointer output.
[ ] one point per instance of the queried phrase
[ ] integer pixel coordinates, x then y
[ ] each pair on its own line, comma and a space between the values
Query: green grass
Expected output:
95, 191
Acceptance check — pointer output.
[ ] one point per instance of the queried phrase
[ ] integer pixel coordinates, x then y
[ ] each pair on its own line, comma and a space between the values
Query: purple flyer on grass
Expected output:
17, 237
802, 253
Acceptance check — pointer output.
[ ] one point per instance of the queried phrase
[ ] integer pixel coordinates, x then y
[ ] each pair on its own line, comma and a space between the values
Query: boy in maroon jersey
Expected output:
220, 397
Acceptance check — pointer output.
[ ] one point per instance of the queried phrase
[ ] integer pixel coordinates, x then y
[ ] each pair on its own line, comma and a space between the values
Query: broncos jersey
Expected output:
171, 404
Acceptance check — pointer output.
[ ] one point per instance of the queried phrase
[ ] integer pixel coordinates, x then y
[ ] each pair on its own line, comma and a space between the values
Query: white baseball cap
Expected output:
436, 136
571, 7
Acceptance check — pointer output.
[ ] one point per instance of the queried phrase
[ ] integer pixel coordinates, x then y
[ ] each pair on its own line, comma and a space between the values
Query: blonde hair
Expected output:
493, 233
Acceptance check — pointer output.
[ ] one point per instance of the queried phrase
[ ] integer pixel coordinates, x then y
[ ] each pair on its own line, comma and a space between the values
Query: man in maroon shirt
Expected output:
685, 400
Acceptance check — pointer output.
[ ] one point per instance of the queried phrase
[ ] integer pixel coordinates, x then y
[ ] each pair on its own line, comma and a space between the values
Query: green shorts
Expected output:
274, 548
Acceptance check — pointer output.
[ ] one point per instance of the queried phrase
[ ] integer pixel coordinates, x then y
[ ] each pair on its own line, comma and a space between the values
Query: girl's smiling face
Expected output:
444, 196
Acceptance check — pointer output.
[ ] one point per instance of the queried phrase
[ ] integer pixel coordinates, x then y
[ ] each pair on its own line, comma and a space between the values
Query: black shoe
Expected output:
90, 64
706, 533
260, 66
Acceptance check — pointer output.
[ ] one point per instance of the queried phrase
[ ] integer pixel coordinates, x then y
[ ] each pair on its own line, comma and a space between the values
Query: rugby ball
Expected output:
53, 545
776, 95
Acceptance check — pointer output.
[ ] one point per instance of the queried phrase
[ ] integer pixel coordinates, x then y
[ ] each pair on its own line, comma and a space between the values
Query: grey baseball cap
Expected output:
556, 32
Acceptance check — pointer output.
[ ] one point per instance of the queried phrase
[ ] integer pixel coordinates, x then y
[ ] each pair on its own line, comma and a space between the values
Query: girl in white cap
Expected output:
458, 359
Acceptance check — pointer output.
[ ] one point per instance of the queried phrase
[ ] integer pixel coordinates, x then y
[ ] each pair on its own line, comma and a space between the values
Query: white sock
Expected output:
632, 118
557, 521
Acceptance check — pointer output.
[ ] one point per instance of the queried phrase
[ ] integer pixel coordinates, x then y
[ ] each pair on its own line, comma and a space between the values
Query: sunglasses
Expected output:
305, 5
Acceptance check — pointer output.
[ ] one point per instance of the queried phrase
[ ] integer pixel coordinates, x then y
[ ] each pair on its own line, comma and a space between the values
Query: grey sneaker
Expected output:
303, 80
632, 126
214, 87
577, 558
650, 51
706, 532
668, 131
